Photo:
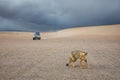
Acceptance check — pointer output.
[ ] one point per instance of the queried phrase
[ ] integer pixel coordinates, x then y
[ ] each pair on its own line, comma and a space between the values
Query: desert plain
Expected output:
22, 58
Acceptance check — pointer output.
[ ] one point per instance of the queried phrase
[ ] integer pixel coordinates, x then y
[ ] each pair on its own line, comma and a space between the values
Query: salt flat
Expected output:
21, 58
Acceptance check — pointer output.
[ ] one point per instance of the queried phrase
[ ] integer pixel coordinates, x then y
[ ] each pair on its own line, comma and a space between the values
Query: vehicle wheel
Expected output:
33, 38
39, 38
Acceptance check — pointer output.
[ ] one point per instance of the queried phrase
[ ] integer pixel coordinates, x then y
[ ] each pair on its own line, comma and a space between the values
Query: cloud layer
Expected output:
48, 15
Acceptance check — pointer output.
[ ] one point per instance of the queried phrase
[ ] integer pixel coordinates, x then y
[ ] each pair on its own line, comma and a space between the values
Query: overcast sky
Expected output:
50, 15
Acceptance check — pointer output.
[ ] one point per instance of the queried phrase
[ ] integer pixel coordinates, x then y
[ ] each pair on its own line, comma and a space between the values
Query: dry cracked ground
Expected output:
25, 59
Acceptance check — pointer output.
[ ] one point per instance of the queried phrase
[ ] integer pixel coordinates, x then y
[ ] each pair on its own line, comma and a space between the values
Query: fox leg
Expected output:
81, 66
73, 64
87, 63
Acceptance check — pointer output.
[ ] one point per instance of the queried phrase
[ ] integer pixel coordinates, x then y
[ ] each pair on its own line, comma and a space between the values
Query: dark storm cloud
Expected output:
47, 15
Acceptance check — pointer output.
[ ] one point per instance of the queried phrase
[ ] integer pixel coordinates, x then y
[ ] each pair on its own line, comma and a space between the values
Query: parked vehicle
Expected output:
37, 36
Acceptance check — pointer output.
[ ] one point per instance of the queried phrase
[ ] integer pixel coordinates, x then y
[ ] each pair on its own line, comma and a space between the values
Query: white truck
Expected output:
37, 36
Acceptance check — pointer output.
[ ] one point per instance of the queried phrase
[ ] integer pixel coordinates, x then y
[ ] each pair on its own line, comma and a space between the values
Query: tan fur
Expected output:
77, 54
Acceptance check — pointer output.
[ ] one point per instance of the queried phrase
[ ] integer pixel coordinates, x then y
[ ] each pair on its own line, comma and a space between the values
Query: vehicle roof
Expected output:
37, 33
